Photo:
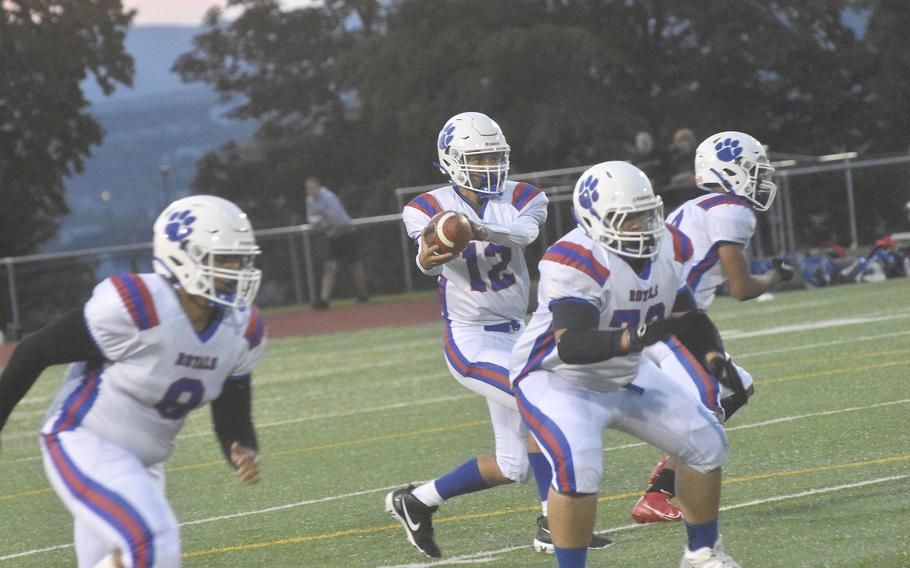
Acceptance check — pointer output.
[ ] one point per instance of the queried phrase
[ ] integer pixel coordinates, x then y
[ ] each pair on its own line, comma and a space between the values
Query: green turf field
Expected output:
818, 475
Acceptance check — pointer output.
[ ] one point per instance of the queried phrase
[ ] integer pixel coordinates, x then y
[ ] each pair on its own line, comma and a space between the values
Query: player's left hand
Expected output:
247, 462
723, 368
783, 268
648, 334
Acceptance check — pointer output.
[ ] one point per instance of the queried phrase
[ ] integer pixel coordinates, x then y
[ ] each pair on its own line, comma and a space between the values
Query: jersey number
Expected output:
497, 276
181, 397
632, 318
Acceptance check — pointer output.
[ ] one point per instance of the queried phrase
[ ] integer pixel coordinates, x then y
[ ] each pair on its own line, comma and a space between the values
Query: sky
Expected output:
185, 12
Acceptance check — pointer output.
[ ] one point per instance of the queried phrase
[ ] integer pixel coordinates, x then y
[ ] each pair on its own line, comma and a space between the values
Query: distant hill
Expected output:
160, 121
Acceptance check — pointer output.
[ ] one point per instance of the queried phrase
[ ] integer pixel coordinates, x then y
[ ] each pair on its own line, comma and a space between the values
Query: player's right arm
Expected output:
66, 340
743, 284
416, 215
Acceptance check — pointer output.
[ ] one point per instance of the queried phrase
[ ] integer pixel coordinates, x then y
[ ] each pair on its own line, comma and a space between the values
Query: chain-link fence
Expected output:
840, 202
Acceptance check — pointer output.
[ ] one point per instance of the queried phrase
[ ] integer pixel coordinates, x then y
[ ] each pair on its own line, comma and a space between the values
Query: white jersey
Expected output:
157, 367
575, 269
488, 283
709, 221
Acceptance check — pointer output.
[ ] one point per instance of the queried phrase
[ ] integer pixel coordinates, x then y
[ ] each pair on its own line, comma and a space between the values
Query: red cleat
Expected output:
655, 507
656, 471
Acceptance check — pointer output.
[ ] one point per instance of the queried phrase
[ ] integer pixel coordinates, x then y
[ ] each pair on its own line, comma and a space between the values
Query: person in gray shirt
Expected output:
327, 215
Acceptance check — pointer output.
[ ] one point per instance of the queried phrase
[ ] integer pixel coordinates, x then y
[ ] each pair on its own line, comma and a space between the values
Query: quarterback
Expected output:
484, 296
734, 169
146, 350
607, 289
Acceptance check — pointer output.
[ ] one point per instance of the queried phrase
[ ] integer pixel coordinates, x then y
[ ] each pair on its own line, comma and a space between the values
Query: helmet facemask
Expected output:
226, 278
760, 190
633, 233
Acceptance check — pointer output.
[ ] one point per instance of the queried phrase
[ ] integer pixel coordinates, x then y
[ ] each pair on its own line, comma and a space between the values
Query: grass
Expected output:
818, 473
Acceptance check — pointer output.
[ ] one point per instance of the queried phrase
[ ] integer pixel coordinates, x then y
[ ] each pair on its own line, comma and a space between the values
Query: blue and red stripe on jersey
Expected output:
426, 204
255, 329
441, 296
543, 346
137, 299
725, 199
107, 504
705, 382
79, 402
579, 258
552, 440
682, 245
523, 194
705, 264
486, 372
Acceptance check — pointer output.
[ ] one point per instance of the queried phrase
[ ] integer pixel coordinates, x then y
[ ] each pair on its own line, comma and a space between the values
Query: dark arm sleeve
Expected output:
685, 301
66, 340
232, 416
698, 333
581, 342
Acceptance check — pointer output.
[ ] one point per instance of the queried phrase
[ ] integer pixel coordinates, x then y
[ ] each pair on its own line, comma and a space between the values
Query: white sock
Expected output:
428, 495
543, 508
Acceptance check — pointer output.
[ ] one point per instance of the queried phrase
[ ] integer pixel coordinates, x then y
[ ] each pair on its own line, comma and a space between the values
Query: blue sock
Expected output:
701, 536
543, 473
463, 479
572, 557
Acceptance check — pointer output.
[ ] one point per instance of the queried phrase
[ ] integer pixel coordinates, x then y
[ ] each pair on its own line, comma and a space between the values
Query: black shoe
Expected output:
415, 517
320, 305
543, 542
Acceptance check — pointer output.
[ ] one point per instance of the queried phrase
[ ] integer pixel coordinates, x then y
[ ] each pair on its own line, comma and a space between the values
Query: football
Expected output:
450, 230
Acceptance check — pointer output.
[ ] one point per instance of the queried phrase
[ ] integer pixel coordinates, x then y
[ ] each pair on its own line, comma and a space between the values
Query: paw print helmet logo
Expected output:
205, 245
737, 163
474, 153
615, 205
179, 225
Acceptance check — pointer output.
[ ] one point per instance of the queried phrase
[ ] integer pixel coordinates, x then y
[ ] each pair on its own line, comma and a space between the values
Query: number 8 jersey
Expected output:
488, 283
156, 368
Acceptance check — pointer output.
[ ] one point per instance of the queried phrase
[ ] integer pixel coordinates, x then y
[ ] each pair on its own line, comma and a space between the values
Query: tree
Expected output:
46, 50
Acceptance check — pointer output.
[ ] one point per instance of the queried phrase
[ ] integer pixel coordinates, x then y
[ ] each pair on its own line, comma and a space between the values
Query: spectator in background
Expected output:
645, 158
327, 215
682, 156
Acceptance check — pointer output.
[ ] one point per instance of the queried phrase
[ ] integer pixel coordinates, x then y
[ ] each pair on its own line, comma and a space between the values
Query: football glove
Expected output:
783, 268
726, 373
648, 334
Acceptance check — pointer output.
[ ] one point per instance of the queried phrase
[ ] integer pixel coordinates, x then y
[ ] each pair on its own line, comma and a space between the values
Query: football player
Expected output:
606, 290
146, 350
734, 169
484, 296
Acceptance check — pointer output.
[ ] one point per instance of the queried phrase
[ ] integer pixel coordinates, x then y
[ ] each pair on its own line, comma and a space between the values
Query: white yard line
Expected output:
824, 324
779, 421
489, 555
480, 556
856, 339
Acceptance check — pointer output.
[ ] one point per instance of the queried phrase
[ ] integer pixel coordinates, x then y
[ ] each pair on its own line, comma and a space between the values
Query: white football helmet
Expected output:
738, 163
207, 245
466, 139
615, 205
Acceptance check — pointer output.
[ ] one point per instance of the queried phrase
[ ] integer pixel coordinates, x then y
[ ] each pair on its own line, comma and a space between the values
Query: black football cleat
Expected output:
543, 542
415, 517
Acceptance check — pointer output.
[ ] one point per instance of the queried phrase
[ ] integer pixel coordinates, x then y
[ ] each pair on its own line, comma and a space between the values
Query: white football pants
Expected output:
479, 360
116, 502
568, 422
